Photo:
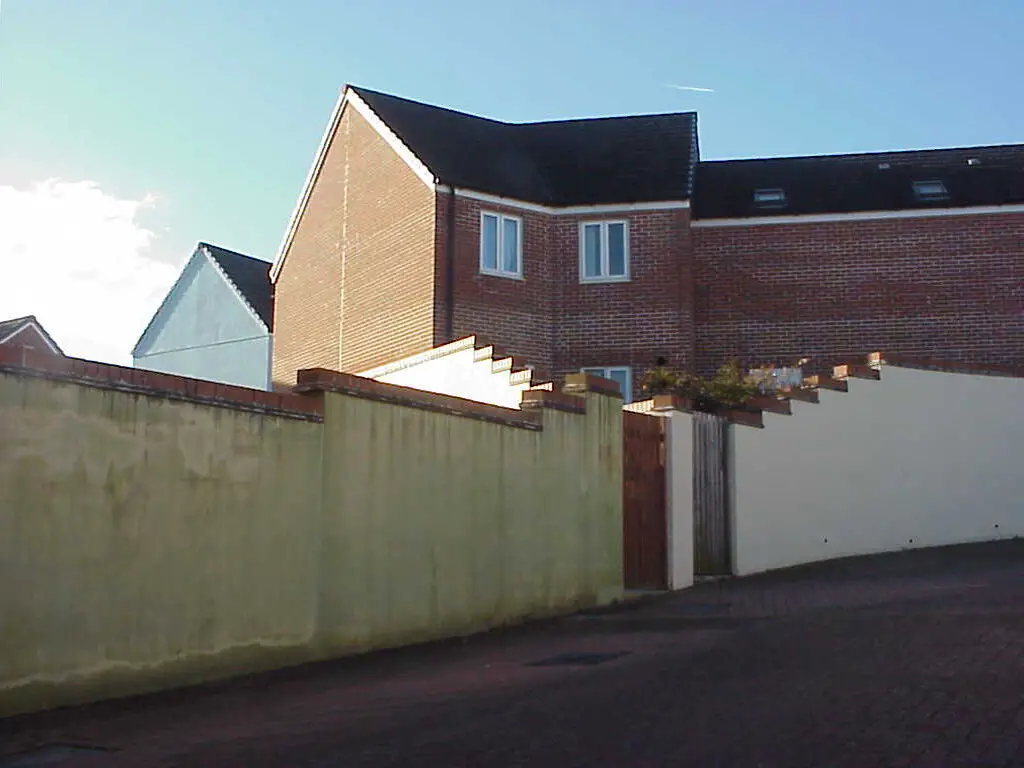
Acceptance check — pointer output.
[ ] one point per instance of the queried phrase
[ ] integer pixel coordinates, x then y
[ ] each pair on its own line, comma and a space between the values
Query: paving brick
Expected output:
911, 659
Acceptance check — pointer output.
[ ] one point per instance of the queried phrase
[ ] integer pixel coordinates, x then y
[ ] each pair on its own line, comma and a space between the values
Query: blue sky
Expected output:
204, 114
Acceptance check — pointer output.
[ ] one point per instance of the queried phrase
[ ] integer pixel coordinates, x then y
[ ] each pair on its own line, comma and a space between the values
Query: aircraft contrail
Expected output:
691, 88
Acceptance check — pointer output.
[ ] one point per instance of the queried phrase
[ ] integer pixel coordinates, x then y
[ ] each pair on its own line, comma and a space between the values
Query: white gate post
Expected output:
679, 496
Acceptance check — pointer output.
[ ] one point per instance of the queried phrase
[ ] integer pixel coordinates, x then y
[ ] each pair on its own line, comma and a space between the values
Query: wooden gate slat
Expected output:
644, 520
712, 548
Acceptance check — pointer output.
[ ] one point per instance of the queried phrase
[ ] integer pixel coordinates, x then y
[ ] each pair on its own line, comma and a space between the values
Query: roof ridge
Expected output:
22, 319
573, 120
459, 112
524, 123
204, 244
866, 155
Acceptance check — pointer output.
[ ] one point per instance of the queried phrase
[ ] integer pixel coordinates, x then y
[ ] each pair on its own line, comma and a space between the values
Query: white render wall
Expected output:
920, 458
679, 501
455, 373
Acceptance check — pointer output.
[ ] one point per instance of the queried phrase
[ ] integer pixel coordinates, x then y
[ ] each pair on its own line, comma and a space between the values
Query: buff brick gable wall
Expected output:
357, 287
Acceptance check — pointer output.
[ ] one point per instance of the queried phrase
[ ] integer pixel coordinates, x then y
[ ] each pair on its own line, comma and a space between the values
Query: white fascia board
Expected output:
235, 290
824, 218
574, 210
171, 292
33, 325
347, 97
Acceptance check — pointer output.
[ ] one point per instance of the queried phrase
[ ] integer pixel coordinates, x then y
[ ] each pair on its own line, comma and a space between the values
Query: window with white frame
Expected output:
501, 245
621, 375
604, 251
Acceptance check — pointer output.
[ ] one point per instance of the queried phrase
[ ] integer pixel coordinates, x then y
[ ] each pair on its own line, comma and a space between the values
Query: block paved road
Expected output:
912, 659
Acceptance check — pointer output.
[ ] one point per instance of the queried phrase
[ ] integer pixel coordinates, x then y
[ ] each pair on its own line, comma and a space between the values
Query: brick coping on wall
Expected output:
752, 413
944, 366
319, 380
305, 402
151, 383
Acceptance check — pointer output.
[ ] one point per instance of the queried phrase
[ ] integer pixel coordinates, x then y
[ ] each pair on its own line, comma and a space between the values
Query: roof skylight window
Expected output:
769, 198
930, 190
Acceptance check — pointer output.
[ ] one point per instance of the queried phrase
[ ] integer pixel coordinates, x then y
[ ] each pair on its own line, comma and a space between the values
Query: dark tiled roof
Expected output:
567, 162
251, 277
10, 327
851, 183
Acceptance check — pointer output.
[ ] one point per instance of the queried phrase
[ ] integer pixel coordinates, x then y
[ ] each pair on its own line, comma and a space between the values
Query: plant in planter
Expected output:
728, 388
660, 380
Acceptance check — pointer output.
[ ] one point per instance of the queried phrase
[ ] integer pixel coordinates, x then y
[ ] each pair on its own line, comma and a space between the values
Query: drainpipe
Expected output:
449, 270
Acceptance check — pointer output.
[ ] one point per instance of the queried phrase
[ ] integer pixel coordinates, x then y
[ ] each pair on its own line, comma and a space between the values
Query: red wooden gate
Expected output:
644, 521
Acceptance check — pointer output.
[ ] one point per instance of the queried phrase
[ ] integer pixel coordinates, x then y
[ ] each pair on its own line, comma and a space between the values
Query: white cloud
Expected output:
78, 259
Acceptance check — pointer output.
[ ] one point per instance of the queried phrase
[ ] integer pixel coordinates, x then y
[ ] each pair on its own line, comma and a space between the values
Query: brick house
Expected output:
28, 335
606, 244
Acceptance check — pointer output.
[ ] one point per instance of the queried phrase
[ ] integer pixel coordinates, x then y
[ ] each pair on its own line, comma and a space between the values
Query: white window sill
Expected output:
498, 273
619, 279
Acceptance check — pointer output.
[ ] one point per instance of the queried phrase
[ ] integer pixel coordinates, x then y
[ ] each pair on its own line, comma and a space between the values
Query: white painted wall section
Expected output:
454, 370
679, 492
920, 458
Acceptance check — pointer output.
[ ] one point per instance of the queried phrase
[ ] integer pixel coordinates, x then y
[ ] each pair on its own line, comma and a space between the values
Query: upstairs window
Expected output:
501, 245
930, 190
604, 251
769, 198
621, 375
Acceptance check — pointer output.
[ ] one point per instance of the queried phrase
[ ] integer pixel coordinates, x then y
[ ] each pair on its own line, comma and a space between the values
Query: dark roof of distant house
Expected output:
251, 277
878, 181
567, 162
9, 328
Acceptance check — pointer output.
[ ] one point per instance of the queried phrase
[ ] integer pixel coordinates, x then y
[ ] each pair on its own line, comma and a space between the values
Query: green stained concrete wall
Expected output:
146, 542
439, 525
149, 543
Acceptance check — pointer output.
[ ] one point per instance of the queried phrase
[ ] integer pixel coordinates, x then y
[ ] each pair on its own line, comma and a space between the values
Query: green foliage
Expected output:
659, 381
728, 388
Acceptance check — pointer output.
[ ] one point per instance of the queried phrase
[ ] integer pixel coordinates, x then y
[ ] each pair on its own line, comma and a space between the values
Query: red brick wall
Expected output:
29, 340
555, 323
630, 323
943, 287
357, 286
514, 314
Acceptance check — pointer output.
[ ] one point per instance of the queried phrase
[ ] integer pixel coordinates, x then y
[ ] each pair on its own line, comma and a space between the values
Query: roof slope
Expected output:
568, 162
247, 277
9, 328
250, 276
877, 181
